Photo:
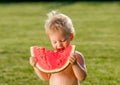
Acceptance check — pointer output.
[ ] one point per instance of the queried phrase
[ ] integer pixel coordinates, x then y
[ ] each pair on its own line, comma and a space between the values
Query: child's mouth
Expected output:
60, 49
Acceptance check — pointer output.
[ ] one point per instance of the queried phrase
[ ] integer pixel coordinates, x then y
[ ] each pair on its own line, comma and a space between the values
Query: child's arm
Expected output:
43, 76
78, 65
40, 74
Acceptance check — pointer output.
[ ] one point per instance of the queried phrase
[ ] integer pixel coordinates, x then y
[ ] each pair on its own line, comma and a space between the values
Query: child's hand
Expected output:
72, 59
32, 61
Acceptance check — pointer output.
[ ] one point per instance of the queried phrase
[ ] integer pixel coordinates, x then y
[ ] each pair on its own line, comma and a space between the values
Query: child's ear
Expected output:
71, 36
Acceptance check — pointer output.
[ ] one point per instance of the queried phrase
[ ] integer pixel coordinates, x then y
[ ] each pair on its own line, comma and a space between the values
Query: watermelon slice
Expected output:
50, 61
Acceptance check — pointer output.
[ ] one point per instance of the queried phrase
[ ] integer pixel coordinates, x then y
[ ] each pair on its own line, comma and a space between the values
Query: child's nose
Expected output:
60, 45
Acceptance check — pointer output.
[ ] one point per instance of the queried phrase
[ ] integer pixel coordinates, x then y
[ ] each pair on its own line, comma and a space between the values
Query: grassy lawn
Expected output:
97, 37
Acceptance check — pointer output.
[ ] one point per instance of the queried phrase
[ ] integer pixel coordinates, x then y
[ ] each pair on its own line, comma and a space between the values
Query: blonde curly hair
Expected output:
59, 22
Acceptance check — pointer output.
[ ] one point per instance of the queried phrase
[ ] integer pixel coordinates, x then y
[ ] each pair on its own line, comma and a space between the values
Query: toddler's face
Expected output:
59, 41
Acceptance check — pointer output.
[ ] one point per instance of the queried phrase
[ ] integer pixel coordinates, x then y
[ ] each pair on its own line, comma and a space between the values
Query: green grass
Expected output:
97, 37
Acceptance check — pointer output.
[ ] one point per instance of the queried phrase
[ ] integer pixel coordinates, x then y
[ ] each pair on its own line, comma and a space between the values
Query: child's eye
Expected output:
63, 40
54, 42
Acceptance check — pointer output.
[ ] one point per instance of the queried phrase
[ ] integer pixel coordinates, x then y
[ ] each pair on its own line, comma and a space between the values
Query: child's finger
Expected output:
72, 60
32, 61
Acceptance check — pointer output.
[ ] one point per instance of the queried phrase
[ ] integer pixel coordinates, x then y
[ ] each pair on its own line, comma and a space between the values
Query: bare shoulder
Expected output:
79, 54
80, 57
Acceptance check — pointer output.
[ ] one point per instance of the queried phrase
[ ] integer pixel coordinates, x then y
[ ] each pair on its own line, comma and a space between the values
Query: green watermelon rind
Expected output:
55, 70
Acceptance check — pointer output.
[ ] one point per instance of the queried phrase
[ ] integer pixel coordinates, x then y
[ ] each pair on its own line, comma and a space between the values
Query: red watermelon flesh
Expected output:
51, 61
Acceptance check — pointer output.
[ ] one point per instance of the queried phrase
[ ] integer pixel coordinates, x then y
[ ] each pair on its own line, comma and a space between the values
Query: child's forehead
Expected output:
57, 34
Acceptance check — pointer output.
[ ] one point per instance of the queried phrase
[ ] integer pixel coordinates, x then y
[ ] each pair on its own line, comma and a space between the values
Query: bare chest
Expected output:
65, 77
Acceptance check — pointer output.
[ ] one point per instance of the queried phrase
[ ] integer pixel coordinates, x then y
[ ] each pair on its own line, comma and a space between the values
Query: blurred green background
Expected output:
97, 26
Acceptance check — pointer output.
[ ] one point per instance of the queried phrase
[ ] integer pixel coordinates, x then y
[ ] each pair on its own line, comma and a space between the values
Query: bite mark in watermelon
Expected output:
50, 61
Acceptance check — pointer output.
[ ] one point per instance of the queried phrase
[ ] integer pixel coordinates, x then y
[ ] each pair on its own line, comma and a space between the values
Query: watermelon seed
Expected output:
60, 61
58, 64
